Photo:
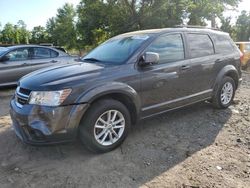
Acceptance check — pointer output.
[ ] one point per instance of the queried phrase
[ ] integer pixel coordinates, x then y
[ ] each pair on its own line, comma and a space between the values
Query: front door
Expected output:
17, 65
162, 83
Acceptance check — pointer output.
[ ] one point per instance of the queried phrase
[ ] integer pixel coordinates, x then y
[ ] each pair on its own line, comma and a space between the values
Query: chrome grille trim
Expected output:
21, 96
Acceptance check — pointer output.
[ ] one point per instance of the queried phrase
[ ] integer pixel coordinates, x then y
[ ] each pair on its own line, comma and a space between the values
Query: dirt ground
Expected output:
190, 148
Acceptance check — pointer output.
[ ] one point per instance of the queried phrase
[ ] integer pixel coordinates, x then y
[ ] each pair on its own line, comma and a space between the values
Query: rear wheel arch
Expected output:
229, 71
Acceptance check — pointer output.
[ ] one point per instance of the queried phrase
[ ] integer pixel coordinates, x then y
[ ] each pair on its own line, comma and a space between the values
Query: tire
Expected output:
92, 129
224, 87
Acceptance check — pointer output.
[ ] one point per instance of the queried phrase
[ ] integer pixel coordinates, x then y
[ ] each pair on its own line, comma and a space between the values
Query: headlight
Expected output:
49, 98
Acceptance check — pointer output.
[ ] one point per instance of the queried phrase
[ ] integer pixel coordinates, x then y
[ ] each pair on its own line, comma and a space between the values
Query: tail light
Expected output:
241, 57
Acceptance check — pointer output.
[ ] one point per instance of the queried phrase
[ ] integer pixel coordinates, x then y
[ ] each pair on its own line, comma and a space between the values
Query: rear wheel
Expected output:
224, 94
105, 126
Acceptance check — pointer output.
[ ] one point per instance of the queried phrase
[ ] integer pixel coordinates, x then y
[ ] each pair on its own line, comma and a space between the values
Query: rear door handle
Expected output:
185, 67
53, 61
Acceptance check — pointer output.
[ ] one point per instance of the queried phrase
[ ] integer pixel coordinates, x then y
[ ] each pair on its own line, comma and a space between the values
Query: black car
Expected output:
17, 61
130, 77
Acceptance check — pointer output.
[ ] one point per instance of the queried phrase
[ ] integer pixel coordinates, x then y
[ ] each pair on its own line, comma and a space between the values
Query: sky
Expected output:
37, 12
32, 12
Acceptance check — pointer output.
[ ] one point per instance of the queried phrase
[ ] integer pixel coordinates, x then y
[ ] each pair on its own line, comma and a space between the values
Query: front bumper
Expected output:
41, 125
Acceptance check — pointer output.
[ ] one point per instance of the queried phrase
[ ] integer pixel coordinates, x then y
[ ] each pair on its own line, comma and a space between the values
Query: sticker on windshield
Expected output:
140, 37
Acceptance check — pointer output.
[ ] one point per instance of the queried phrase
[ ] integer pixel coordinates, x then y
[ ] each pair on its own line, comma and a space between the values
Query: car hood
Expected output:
61, 76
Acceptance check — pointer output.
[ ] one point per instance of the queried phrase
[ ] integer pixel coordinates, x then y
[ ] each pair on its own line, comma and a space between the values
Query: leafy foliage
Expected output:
94, 21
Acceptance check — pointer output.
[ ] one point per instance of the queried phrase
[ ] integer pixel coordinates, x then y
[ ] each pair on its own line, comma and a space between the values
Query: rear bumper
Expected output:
239, 83
40, 125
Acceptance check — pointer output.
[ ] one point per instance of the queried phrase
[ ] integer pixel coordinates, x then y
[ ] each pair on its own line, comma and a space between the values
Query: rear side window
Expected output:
200, 45
40, 53
224, 45
169, 47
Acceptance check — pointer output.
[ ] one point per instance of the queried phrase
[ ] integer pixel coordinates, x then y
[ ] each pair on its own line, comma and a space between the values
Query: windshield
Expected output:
116, 50
2, 50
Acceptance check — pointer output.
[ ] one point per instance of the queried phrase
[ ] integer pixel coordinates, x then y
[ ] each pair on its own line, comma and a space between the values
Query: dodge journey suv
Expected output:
127, 78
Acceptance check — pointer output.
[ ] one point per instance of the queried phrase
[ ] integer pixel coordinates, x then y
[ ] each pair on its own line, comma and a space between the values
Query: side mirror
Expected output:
149, 58
5, 58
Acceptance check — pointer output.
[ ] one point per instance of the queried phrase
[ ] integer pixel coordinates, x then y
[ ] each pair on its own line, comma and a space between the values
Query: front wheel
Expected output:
105, 126
224, 95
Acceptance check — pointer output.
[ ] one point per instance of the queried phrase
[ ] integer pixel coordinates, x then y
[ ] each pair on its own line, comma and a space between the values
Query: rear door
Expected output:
44, 57
18, 65
199, 72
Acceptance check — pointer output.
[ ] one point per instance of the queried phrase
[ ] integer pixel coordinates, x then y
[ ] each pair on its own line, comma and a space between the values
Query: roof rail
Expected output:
198, 27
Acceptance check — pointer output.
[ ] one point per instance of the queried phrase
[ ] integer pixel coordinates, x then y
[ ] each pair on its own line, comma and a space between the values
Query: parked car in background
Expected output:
129, 77
17, 61
245, 49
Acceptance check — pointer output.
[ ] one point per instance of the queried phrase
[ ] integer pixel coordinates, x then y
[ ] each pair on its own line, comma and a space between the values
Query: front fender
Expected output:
96, 92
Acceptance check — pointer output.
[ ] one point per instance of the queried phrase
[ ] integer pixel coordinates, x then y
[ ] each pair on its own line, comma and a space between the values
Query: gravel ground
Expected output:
193, 147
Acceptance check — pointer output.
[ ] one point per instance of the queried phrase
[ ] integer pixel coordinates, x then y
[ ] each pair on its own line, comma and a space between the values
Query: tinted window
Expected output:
53, 53
116, 50
200, 45
19, 54
169, 47
40, 53
223, 44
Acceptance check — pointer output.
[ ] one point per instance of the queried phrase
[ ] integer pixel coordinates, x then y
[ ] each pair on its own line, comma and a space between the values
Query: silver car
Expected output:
17, 61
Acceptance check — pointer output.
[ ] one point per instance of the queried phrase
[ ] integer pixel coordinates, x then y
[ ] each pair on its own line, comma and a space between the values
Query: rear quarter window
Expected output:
200, 45
224, 45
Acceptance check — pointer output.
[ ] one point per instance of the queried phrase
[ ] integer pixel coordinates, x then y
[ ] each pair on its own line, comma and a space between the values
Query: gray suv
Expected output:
129, 77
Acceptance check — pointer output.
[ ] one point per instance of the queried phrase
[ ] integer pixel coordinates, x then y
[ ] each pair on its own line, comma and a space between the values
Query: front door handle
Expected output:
53, 61
185, 67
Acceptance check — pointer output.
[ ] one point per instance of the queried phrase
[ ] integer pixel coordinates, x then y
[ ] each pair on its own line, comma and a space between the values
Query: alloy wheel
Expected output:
109, 127
226, 93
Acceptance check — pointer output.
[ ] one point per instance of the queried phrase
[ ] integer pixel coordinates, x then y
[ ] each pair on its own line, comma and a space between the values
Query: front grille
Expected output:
22, 96
24, 91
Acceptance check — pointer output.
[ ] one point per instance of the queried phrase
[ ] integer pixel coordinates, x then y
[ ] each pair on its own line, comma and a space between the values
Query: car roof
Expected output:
35, 46
177, 29
27, 45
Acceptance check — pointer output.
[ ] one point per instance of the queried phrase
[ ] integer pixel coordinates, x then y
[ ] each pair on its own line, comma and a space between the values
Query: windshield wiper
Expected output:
92, 59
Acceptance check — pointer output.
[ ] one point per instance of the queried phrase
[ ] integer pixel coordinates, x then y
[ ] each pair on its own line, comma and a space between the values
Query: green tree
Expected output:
61, 29
21, 33
15, 34
228, 27
39, 35
201, 10
8, 34
243, 26
113, 17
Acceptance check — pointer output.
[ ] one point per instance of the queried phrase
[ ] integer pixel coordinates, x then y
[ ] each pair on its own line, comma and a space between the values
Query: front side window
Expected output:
200, 45
19, 54
169, 47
